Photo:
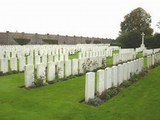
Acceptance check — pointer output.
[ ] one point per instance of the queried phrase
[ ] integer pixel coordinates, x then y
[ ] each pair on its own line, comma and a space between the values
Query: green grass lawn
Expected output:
60, 101
74, 56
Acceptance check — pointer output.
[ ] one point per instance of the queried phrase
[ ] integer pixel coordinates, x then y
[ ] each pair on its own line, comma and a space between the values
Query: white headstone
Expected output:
37, 60
80, 63
67, 68
89, 86
50, 71
60, 69
13, 64
4, 65
44, 60
30, 60
29, 75
50, 58
100, 81
41, 72
74, 66
22, 63
114, 76
108, 78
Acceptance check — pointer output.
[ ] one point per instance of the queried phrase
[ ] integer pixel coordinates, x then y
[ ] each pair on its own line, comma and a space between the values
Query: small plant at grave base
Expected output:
57, 74
39, 81
95, 102
104, 63
1, 73
95, 65
125, 84
87, 65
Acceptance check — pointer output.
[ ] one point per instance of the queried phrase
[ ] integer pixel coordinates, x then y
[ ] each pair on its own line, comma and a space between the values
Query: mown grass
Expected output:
73, 56
60, 101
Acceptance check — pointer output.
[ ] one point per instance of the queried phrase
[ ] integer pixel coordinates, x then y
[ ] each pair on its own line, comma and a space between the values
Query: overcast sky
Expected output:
92, 18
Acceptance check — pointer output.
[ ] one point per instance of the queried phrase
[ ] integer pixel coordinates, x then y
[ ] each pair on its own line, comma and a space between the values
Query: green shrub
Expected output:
125, 84
39, 81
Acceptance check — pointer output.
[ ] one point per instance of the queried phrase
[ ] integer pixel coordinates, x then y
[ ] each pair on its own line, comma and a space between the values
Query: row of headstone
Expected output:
9, 51
33, 50
129, 50
63, 69
111, 77
156, 50
11, 65
17, 64
89, 54
140, 49
147, 52
123, 57
153, 59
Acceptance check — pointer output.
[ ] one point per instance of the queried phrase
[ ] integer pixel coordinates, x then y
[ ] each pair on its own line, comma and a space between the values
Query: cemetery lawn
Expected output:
60, 101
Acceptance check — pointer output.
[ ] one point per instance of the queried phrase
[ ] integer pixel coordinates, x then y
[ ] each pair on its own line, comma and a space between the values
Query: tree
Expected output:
138, 20
130, 39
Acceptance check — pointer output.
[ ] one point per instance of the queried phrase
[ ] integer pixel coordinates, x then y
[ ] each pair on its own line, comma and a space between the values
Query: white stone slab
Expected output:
50, 71
67, 68
41, 72
13, 64
89, 86
22, 63
74, 66
108, 78
29, 75
100, 81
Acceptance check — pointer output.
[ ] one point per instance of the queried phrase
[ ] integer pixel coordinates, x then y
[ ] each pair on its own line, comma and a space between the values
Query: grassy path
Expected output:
60, 101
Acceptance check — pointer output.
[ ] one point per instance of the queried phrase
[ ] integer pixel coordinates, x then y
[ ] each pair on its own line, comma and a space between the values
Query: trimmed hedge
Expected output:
88, 41
96, 41
22, 41
50, 41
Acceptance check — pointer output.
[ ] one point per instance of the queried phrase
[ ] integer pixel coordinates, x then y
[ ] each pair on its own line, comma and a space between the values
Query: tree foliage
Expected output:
130, 39
138, 20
